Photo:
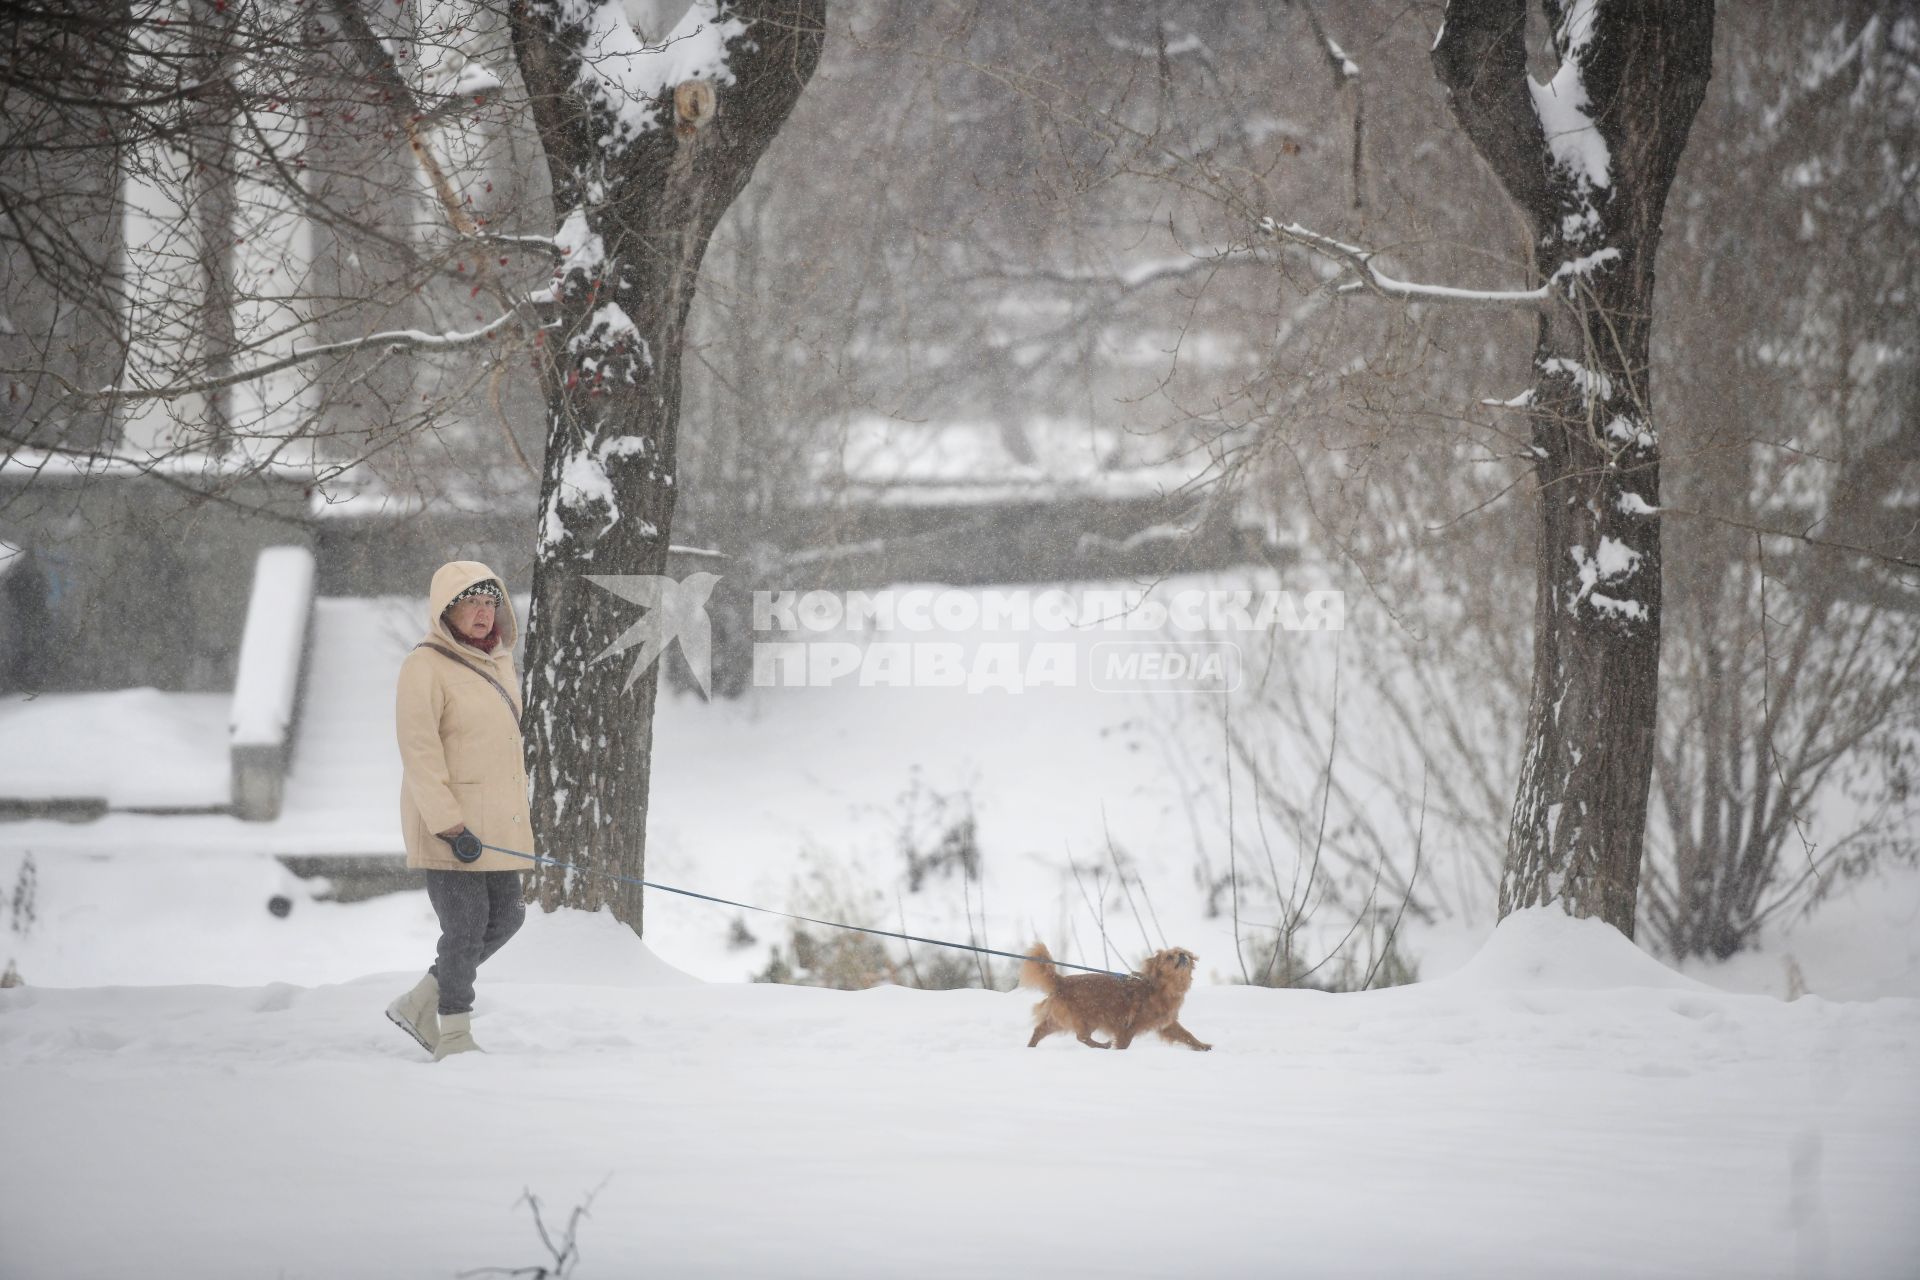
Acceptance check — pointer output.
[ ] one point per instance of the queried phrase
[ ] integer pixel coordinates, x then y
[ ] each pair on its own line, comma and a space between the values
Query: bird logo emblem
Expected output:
674, 611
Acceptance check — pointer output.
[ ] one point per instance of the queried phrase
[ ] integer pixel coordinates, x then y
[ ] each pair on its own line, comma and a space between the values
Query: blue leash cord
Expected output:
827, 924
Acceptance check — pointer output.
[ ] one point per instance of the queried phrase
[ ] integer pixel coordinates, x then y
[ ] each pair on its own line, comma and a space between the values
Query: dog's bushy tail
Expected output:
1037, 972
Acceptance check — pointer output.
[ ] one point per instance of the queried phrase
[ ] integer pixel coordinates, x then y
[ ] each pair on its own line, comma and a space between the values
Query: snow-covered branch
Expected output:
393, 340
1371, 279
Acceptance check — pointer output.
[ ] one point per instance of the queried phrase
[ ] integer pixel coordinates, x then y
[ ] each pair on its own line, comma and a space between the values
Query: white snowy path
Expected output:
1561, 1106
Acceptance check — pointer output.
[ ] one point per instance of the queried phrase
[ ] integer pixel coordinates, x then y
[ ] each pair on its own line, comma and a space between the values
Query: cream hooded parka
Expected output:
460, 746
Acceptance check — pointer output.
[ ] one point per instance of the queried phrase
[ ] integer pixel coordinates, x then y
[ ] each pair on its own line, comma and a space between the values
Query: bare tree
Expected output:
1786, 744
246, 127
1588, 159
211, 192
643, 165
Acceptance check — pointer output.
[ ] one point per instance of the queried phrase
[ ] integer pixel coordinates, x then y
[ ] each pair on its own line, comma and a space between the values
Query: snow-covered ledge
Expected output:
266, 689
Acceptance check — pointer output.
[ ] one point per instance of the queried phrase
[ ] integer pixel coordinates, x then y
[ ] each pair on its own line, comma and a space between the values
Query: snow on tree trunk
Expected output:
1588, 157
641, 175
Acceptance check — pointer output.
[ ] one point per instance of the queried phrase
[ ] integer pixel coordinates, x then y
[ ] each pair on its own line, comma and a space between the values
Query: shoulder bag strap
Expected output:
497, 686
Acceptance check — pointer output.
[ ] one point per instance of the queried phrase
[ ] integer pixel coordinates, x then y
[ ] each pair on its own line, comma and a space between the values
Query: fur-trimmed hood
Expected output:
449, 580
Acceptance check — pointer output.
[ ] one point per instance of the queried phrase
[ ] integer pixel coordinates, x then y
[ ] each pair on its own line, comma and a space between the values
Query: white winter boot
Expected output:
416, 1012
456, 1036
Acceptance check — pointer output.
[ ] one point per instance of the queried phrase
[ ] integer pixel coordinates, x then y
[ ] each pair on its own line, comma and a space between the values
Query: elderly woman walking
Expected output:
457, 715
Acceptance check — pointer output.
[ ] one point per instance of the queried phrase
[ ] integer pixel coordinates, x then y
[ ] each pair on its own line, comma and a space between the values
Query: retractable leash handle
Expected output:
748, 906
466, 845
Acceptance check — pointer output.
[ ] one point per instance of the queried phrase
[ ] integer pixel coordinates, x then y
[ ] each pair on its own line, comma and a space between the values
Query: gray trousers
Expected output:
479, 911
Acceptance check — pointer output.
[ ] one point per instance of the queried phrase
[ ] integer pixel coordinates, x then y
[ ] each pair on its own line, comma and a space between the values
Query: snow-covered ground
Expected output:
132, 748
195, 1086
1560, 1105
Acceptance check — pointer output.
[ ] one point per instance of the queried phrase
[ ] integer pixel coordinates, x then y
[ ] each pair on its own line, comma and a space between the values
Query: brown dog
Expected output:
1127, 1007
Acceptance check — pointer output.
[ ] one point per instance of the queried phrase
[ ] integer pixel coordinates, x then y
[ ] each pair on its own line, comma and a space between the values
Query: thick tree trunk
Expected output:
1589, 159
638, 198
